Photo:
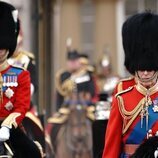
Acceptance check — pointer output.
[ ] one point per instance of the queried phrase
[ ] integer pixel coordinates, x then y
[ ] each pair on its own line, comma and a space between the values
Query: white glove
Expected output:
4, 133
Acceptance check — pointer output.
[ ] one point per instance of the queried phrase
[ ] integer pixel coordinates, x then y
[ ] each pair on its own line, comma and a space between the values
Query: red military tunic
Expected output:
124, 84
15, 95
125, 126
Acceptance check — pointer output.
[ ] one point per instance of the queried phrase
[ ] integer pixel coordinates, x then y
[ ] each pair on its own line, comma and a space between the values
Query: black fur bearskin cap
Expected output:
140, 42
9, 27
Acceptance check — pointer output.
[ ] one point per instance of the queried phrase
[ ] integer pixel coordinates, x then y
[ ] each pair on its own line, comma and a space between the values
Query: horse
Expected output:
74, 138
36, 132
148, 149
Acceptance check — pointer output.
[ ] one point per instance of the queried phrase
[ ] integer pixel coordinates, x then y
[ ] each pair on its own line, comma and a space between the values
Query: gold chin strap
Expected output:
148, 80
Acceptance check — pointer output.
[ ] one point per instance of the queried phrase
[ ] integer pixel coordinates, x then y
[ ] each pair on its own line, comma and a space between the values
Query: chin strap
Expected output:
147, 80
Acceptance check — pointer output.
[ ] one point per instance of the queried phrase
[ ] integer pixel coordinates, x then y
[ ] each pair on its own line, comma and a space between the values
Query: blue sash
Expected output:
138, 134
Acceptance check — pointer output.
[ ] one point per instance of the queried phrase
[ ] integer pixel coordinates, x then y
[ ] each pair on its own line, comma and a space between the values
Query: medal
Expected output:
155, 105
9, 93
15, 81
9, 106
4, 81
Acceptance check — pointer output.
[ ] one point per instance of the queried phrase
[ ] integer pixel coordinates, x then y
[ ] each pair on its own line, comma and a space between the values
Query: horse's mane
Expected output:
147, 148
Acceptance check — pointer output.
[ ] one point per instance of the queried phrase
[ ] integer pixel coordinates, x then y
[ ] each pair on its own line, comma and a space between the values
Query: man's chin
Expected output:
148, 84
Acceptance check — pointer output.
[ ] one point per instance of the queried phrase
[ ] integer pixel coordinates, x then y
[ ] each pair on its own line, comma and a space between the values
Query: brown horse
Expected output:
74, 139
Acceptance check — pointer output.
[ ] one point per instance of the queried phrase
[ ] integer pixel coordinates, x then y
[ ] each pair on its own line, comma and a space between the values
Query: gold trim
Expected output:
127, 79
120, 84
8, 149
34, 119
4, 65
11, 120
131, 121
124, 91
58, 83
119, 87
40, 148
146, 91
129, 115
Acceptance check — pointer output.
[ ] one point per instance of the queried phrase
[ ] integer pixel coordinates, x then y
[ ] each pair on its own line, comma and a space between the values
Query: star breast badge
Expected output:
155, 105
155, 108
9, 93
9, 106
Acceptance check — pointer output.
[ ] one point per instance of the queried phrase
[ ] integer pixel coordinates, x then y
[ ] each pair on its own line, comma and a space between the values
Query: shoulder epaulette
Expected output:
29, 54
127, 79
120, 83
124, 91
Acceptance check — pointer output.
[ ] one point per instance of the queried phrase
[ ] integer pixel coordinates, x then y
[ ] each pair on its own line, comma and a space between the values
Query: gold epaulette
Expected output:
29, 54
119, 86
124, 91
127, 79
65, 87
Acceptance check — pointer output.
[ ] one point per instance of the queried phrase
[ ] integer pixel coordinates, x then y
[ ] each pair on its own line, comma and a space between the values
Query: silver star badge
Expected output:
155, 108
9, 93
9, 106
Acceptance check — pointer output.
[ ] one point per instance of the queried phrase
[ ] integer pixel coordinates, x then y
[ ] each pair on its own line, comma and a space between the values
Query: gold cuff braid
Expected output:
11, 120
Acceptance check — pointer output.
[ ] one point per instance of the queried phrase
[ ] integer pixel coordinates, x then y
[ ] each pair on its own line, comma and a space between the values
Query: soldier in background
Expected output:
76, 82
92, 86
73, 65
106, 82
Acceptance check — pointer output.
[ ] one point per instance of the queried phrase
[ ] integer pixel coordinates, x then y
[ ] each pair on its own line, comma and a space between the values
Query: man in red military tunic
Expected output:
14, 88
134, 113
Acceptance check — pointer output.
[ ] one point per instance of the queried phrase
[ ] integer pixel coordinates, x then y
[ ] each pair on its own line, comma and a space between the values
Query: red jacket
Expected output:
125, 117
124, 84
15, 100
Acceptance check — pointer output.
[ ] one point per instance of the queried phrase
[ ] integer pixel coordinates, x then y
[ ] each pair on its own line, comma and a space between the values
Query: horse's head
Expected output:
78, 128
77, 121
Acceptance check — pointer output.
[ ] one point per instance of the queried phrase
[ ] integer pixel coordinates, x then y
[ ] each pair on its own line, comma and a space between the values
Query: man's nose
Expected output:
145, 72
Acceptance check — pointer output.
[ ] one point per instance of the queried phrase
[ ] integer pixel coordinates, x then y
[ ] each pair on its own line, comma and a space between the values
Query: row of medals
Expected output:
10, 81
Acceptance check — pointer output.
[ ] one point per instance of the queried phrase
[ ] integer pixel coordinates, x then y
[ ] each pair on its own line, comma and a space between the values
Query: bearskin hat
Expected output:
9, 27
140, 42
